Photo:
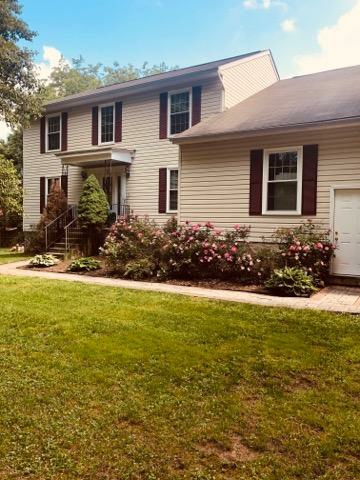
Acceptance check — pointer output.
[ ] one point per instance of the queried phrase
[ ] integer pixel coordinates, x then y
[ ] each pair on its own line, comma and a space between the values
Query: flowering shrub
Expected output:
131, 240
308, 248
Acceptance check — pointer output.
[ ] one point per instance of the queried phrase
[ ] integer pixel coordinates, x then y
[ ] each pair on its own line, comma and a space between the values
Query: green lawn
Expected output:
104, 383
8, 257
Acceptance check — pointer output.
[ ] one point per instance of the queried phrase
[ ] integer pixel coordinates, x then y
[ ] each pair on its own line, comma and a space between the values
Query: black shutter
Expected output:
162, 189
256, 177
196, 105
309, 186
95, 126
42, 134
64, 131
163, 115
42, 194
118, 121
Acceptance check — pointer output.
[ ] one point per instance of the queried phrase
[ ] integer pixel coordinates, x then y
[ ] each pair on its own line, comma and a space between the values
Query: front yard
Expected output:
104, 383
6, 256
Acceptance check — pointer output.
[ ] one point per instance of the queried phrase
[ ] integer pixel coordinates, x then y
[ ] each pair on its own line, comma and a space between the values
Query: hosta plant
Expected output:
291, 282
85, 264
43, 261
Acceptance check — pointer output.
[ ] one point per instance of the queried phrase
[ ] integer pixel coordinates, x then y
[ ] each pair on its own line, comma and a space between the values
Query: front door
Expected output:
347, 229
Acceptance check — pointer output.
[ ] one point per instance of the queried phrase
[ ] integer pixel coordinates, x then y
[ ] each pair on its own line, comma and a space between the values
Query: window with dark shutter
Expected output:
64, 184
163, 115
196, 105
309, 186
256, 177
162, 189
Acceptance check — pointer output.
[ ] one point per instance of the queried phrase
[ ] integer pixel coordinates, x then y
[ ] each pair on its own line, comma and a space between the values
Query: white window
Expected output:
53, 132
50, 183
172, 190
179, 111
106, 123
282, 181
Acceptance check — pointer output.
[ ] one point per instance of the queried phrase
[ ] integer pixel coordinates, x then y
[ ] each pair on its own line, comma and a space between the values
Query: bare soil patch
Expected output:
238, 452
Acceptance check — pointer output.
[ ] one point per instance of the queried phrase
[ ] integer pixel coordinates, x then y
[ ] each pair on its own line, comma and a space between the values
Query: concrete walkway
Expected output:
333, 298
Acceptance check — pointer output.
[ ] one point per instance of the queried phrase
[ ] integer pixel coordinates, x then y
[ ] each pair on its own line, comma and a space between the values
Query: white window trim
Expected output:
168, 170
103, 105
52, 115
174, 92
267, 152
53, 177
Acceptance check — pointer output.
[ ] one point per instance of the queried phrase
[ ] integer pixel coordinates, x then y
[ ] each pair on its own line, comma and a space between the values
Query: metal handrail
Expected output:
66, 228
57, 225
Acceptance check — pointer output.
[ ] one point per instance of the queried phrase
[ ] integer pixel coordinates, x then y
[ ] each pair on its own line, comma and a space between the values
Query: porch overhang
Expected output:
96, 157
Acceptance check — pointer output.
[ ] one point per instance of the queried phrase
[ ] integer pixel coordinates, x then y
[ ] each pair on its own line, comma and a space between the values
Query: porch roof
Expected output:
96, 157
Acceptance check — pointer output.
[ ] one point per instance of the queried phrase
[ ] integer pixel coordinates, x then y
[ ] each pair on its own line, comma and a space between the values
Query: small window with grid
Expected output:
53, 132
107, 123
179, 112
172, 190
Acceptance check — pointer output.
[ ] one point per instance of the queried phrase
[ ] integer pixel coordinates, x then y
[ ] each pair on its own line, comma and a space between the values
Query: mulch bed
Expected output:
216, 284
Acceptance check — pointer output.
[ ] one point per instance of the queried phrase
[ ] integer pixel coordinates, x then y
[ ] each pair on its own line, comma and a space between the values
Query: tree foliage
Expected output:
93, 205
10, 193
20, 90
11, 149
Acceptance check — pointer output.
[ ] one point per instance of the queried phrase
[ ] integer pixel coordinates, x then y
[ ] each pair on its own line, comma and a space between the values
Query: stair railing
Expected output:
67, 229
54, 230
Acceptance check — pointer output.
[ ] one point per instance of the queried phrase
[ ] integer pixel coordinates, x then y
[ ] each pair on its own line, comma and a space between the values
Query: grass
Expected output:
8, 257
104, 383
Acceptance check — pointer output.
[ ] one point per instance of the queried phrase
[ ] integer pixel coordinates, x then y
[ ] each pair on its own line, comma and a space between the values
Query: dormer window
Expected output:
53, 132
106, 123
179, 111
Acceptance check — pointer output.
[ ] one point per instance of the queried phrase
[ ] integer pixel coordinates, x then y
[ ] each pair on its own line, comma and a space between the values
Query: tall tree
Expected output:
10, 193
19, 87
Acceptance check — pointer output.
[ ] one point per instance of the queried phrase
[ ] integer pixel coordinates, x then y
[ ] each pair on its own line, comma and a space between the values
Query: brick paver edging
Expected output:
335, 299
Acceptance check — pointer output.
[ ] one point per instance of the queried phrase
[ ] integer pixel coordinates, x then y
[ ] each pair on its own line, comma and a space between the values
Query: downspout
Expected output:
222, 103
179, 185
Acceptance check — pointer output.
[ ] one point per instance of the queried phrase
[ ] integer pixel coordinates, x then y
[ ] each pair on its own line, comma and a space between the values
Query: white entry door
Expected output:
347, 227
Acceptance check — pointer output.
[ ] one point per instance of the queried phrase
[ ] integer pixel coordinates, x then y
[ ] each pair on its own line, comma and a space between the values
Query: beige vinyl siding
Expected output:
38, 165
215, 178
247, 78
140, 133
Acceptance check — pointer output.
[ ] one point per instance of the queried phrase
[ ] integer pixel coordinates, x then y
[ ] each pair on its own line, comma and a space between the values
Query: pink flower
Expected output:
233, 249
319, 246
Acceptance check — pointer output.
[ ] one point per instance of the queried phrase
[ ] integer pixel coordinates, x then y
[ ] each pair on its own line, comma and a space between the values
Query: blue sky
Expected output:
183, 33
305, 36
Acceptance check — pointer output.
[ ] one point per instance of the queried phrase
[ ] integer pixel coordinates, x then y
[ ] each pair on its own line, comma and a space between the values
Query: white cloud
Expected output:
339, 45
263, 4
288, 25
4, 130
50, 59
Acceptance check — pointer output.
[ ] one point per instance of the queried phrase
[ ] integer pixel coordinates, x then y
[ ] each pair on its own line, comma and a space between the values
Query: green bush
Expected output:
85, 264
291, 281
43, 261
139, 269
308, 247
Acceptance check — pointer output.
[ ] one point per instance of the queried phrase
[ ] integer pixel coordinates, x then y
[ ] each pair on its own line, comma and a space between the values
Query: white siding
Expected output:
140, 132
215, 178
247, 78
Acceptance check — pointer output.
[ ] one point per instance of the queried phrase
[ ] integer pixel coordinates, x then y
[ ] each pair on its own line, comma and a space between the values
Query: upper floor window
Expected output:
106, 123
282, 181
53, 132
172, 194
179, 111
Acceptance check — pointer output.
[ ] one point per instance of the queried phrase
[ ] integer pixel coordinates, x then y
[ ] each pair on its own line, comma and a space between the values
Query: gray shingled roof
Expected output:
328, 96
151, 79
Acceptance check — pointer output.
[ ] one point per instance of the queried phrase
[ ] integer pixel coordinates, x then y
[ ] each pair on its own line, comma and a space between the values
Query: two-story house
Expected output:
121, 134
